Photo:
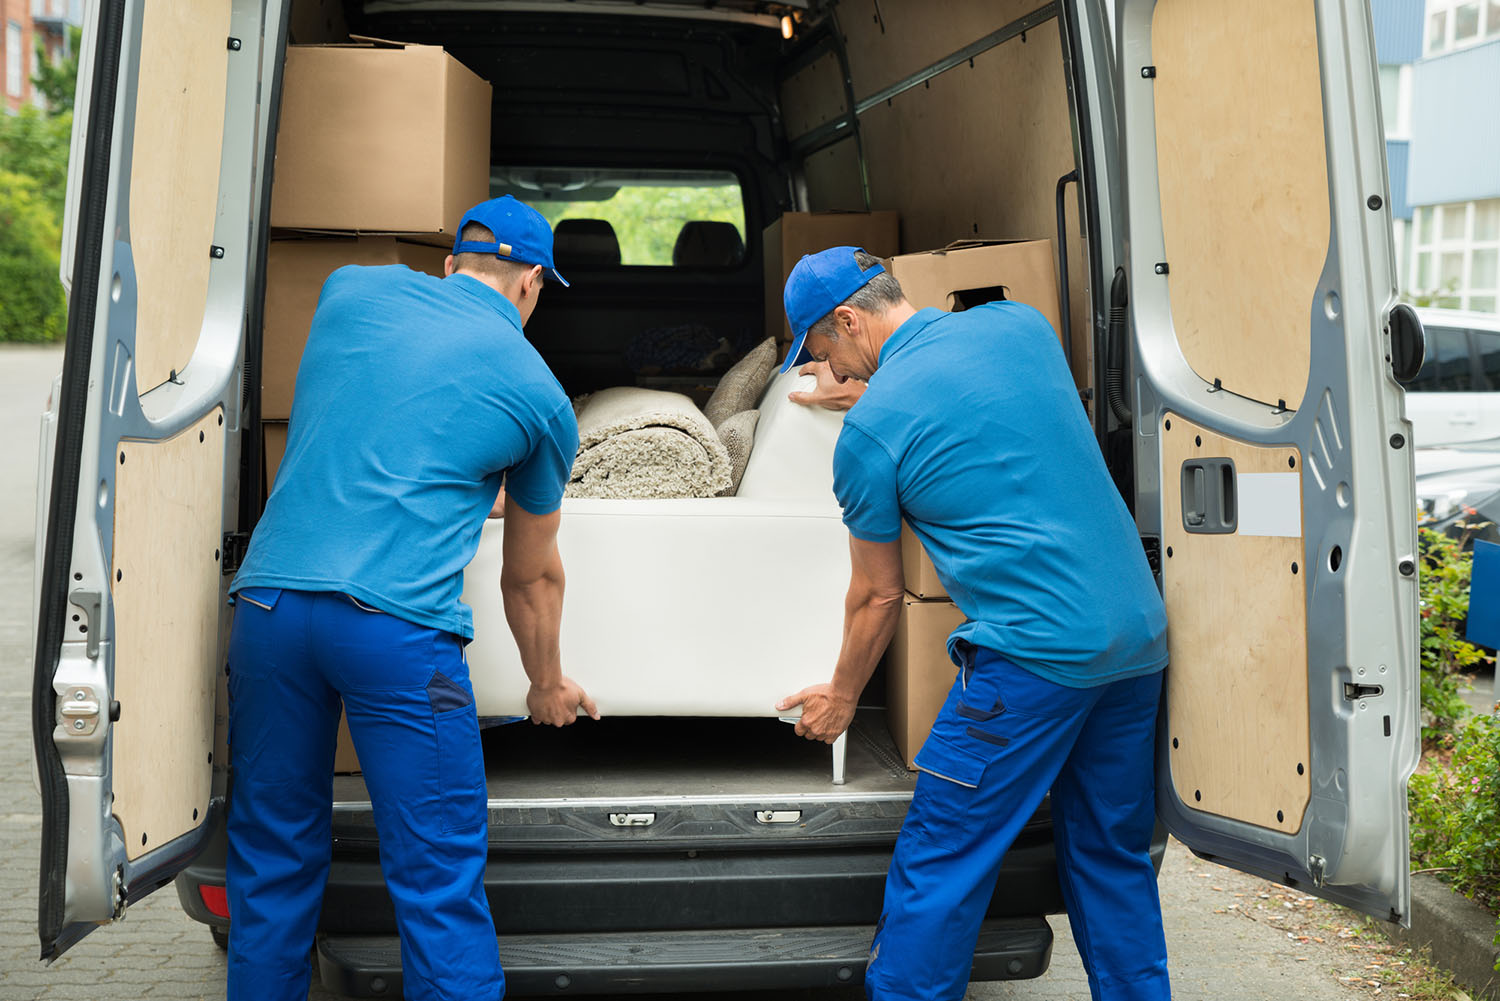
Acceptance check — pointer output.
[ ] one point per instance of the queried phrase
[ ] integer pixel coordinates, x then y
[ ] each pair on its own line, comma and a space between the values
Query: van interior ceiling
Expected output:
956, 114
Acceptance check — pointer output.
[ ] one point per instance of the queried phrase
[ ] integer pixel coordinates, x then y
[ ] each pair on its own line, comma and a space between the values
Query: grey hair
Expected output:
875, 296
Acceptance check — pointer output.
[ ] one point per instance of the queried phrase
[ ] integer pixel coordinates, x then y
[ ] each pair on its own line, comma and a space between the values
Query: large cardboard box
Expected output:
272, 449
379, 137
918, 671
921, 576
295, 272
786, 240
979, 268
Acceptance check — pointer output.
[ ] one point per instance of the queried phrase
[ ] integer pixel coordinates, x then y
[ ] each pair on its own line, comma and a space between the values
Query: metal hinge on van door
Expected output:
232, 551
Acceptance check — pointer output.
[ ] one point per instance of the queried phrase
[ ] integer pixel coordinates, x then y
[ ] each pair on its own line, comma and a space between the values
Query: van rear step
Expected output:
742, 959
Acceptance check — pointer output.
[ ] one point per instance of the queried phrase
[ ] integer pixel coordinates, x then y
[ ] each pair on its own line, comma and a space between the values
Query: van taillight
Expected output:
215, 899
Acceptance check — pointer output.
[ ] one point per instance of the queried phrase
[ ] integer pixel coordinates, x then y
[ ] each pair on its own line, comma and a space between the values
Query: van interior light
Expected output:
786, 26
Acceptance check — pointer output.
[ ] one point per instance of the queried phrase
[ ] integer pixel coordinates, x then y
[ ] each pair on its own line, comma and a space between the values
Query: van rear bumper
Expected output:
637, 962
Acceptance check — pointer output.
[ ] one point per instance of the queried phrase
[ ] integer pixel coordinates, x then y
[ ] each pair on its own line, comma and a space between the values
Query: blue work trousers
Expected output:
1003, 738
293, 657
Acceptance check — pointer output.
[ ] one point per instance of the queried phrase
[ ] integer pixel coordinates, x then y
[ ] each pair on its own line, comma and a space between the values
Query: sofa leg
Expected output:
839, 747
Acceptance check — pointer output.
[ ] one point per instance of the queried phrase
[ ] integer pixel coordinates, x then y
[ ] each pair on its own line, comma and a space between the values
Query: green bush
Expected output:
32, 306
1446, 655
1455, 812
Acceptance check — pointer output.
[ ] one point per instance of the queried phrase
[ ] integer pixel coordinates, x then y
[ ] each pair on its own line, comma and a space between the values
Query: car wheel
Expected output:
221, 936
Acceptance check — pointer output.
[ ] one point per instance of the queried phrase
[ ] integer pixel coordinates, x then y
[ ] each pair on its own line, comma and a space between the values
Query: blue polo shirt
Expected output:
972, 430
415, 397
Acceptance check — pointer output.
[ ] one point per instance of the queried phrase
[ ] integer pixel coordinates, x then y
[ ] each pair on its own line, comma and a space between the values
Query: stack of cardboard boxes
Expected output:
381, 149
962, 275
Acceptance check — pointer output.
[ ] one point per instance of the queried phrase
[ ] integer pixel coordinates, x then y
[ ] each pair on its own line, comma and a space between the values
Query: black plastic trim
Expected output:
641, 962
72, 419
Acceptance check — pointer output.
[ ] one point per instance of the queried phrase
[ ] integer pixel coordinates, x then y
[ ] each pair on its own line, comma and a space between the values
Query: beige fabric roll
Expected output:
644, 443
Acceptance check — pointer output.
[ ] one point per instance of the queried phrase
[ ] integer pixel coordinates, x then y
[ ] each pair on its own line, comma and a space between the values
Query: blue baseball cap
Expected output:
521, 233
817, 285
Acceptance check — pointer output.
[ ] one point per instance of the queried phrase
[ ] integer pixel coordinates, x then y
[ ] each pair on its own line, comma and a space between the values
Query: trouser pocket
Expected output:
464, 799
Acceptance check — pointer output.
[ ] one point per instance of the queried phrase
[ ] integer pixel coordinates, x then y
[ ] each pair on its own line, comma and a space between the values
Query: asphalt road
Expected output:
1223, 929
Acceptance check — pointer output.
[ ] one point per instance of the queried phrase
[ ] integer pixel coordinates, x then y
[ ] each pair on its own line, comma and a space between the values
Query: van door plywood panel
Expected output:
174, 178
168, 597
1236, 635
1243, 179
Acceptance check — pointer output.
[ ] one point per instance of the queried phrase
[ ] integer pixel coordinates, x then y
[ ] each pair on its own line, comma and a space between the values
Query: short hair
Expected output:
503, 270
875, 296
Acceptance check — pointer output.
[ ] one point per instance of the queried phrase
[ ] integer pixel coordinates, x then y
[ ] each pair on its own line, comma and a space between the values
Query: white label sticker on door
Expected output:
1270, 504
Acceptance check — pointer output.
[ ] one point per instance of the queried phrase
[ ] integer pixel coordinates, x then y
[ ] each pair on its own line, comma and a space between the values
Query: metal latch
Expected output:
78, 712
233, 548
1354, 691
632, 819
778, 816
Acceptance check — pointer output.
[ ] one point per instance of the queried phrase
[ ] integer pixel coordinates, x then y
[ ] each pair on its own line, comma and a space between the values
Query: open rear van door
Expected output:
1274, 462
159, 246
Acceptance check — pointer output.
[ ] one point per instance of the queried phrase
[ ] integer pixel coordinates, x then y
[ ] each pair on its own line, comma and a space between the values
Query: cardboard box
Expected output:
979, 267
379, 137
273, 447
295, 272
345, 761
918, 671
786, 240
921, 576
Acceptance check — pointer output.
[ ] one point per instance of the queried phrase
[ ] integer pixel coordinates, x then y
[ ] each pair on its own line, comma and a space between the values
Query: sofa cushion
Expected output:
738, 435
741, 386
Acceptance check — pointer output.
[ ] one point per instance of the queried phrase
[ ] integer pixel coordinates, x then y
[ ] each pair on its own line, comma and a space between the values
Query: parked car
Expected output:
1221, 221
1455, 398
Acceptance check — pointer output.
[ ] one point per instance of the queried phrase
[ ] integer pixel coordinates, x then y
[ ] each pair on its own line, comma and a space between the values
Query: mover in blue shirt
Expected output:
970, 428
416, 397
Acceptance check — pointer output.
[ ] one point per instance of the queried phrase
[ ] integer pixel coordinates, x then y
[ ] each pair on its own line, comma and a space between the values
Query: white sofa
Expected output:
713, 607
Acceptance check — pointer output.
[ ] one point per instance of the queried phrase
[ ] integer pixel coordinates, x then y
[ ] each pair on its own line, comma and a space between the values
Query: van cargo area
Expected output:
691, 840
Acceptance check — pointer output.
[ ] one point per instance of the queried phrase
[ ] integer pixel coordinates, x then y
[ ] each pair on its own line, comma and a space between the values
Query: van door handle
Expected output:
1209, 497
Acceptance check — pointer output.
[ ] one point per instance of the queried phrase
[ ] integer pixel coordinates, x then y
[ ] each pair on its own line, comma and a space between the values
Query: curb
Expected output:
1460, 934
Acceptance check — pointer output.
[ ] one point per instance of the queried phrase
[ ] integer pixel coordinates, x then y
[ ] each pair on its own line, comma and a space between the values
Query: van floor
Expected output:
666, 760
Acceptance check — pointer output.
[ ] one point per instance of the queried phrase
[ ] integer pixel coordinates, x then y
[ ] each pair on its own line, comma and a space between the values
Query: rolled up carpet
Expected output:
636, 443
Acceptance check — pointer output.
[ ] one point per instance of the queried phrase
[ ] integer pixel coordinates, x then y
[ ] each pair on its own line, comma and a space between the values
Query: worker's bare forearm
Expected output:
534, 610
869, 621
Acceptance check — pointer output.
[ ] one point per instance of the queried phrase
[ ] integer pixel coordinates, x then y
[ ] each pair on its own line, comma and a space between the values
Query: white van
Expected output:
1456, 396
1214, 176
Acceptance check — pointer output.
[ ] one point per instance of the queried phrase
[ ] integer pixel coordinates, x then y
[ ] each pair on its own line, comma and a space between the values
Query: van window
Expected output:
1487, 352
605, 218
1446, 367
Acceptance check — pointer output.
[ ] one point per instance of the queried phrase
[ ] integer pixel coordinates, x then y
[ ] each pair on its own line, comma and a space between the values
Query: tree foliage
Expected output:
32, 307
57, 83
33, 186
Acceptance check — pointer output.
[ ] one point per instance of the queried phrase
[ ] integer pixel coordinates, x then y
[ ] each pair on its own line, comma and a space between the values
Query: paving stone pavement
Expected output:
158, 953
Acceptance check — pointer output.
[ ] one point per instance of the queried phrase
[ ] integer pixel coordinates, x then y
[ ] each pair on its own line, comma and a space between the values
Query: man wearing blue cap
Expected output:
970, 430
416, 397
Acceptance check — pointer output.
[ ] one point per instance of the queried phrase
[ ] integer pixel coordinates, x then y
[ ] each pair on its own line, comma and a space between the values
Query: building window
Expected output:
1453, 24
13, 61
1395, 100
1456, 260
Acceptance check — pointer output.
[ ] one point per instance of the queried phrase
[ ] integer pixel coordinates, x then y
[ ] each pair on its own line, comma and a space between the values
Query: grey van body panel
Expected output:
1353, 844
